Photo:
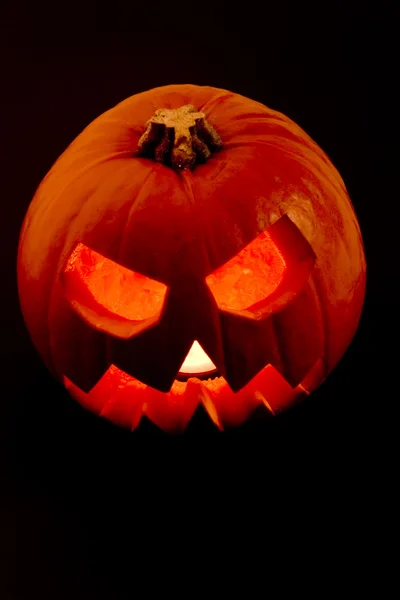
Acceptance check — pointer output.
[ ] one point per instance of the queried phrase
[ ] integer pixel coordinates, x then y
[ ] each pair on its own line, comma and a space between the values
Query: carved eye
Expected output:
111, 297
267, 272
250, 276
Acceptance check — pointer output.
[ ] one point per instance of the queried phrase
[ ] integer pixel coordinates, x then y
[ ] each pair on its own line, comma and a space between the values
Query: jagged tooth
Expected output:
262, 400
171, 411
125, 407
137, 417
97, 398
209, 405
274, 386
109, 405
192, 398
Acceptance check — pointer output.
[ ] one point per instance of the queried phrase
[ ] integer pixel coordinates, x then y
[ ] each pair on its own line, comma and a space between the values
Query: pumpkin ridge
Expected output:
280, 120
59, 264
148, 177
52, 294
210, 105
63, 255
276, 334
314, 279
188, 181
292, 142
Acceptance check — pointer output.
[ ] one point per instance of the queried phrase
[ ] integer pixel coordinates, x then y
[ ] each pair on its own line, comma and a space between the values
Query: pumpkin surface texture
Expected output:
191, 248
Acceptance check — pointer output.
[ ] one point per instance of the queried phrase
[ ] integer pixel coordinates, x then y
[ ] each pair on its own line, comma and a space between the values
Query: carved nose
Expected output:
197, 362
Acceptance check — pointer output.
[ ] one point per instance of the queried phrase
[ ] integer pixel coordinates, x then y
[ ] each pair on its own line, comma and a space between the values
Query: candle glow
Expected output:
196, 361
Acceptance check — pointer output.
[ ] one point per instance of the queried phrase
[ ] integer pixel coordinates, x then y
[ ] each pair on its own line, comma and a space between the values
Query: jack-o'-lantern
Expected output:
191, 248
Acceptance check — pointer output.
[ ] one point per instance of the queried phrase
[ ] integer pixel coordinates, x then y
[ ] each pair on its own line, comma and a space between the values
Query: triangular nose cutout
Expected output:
197, 362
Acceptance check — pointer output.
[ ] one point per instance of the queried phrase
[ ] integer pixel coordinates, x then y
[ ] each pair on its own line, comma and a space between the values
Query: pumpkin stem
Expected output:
179, 137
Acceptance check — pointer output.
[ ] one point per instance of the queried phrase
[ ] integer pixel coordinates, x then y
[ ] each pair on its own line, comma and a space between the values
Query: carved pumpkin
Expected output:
191, 247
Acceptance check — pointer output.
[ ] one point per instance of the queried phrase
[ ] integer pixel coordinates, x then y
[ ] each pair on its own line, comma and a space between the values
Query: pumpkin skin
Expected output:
103, 207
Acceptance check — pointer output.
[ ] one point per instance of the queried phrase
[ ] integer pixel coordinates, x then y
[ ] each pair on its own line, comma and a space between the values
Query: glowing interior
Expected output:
121, 291
249, 277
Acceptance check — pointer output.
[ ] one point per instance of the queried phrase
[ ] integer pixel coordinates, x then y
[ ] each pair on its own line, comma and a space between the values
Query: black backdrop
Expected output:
90, 511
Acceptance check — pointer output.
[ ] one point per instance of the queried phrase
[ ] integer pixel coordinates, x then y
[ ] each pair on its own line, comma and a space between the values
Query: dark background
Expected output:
91, 511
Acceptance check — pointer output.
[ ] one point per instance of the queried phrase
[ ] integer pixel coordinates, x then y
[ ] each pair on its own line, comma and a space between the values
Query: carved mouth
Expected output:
124, 400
